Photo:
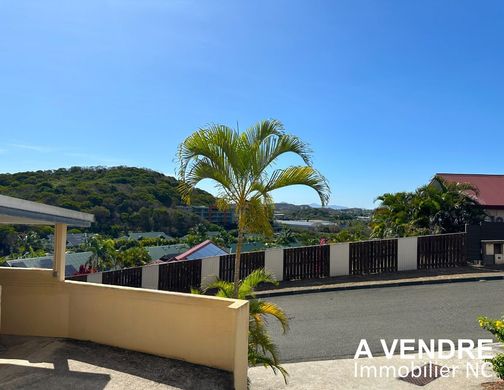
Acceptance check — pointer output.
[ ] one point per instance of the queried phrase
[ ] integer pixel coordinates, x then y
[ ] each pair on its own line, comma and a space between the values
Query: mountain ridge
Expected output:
121, 198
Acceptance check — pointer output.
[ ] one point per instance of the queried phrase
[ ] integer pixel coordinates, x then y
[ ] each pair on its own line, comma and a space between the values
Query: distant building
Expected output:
212, 214
490, 191
73, 239
312, 224
205, 249
73, 262
165, 252
141, 235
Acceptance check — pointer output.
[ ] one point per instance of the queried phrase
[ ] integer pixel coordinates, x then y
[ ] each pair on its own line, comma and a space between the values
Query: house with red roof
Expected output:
205, 249
489, 194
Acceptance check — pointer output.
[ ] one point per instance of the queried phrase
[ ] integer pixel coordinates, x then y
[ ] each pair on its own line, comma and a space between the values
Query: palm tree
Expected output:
446, 207
261, 349
439, 207
104, 255
394, 215
242, 166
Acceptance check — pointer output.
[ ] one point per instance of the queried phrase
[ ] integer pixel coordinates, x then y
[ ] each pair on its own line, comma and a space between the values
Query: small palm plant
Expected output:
261, 349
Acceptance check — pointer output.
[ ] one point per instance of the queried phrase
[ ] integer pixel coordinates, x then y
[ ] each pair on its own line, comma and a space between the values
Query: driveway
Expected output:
330, 325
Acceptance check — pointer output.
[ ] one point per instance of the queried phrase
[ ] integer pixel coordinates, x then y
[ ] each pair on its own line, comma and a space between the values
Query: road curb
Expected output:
314, 290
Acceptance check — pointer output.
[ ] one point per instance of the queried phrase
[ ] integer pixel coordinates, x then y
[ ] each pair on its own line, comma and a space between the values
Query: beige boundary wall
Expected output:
199, 329
339, 263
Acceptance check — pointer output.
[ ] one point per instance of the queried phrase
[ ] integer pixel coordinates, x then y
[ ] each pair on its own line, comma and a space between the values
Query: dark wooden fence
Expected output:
306, 263
373, 257
129, 277
249, 262
180, 275
441, 251
77, 278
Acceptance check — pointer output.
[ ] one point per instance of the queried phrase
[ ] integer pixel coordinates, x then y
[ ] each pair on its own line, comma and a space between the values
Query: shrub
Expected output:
496, 327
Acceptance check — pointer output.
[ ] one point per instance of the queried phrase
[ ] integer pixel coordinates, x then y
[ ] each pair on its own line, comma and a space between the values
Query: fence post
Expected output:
274, 262
95, 277
150, 276
209, 270
407, 253
339, 259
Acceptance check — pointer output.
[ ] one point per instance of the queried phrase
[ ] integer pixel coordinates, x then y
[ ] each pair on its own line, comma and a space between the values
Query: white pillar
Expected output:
407, 253
339, 259
95, 277
150, 276
60, 235
274, 262
210, 267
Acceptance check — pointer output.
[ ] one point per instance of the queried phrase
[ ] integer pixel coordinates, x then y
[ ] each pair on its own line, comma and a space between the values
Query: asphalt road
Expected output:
330, 325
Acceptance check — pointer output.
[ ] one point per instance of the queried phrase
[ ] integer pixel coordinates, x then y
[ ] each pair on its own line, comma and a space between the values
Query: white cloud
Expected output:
35, 148
91, 159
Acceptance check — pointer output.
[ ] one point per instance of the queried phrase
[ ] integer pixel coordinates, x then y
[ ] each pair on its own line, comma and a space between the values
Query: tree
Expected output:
440, 207
197, 234
133, 257
242, 167
394, 216
285, 237
446, 207
261, 349
104, 253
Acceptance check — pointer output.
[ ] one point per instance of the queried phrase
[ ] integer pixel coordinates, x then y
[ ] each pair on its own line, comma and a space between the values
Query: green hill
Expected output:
121, 198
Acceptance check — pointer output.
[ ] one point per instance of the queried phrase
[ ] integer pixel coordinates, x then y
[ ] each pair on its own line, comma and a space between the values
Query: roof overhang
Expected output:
14, 211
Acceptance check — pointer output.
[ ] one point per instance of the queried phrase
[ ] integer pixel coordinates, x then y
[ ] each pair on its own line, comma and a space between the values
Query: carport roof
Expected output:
14, 211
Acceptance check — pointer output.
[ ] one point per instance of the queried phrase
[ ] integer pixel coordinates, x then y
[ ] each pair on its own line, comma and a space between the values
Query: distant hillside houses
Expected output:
165, 252
212, 214
141, 235
205, 249
73, 262
73, 239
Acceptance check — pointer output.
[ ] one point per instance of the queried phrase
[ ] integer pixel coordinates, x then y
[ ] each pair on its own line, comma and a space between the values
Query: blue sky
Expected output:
386, 92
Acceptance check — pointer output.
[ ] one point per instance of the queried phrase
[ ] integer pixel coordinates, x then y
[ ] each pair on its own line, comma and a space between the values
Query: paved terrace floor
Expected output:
49, 363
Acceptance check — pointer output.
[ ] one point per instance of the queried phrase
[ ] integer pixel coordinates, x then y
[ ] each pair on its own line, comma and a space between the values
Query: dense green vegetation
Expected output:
432, 209
121, 198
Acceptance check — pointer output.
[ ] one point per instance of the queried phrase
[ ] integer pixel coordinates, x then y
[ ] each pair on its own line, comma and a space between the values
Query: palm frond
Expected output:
257, 216
271, 309
256, 277
266, 361
300, 175
224, 288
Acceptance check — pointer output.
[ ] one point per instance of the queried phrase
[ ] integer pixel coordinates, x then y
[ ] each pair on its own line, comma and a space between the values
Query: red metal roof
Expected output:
195, 248
490, 187
205, 249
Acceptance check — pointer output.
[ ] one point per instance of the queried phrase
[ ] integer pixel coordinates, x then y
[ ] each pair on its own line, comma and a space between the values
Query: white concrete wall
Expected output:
339, 260
273, 262
95, 277
407, 253
210, 267
150, 276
